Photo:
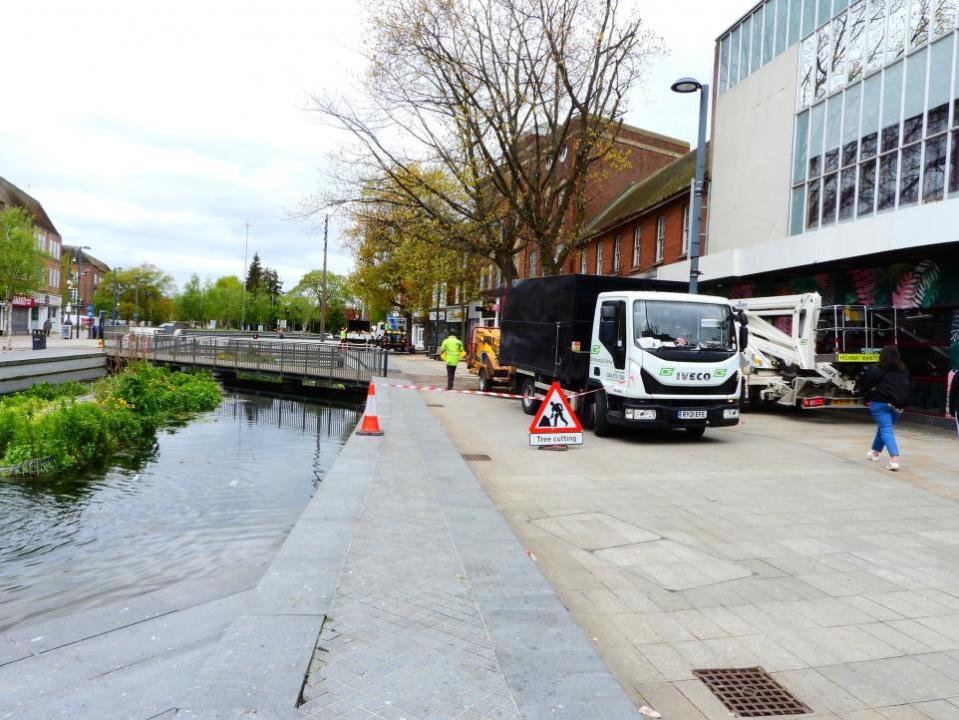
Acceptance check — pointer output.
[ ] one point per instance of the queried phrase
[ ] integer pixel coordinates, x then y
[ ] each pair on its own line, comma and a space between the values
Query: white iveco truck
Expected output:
635, 353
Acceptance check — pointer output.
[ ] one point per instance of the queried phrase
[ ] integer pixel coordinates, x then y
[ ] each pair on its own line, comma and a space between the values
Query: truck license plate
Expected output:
692, 414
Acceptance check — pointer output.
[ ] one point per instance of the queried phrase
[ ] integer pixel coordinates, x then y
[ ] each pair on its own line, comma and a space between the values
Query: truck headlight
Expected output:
730, 413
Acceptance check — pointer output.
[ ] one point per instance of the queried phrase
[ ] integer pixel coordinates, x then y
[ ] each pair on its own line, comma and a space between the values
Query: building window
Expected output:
532, 263
660, 238
637, 244
617, 253
685, 251
599, 257
582, 262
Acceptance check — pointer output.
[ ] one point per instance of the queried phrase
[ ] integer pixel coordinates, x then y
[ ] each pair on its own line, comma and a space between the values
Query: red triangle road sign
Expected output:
556, 418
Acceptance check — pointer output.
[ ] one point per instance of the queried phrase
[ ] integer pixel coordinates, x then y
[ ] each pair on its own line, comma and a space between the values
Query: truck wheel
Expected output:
696, 432
601, 426
483, 385
587, 413
530, 403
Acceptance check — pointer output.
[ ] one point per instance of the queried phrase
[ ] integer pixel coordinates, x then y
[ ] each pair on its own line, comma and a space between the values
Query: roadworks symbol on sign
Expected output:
555, 423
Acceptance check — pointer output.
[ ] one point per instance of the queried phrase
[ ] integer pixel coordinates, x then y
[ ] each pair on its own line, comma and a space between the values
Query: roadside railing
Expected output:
309, 361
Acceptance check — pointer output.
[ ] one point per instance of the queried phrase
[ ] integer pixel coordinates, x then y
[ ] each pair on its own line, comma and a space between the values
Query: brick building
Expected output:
31, 311
86, 275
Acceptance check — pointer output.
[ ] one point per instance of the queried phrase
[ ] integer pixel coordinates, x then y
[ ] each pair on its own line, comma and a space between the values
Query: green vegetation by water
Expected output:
56, 427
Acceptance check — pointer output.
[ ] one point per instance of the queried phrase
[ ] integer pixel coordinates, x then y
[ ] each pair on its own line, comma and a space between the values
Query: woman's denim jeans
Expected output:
886, 416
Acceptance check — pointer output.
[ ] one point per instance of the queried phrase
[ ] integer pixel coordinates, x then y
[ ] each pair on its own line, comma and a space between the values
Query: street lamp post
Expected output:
116, 296
326, 227
246, 247
689, 85
79, 264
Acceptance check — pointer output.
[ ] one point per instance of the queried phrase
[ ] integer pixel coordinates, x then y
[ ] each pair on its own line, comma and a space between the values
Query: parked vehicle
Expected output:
634, 353
482, 359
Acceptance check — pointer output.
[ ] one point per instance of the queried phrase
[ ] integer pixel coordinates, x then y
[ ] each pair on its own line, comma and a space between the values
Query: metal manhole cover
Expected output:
477, 458
751, 692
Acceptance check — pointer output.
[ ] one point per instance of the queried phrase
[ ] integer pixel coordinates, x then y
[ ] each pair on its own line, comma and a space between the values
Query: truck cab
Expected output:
662, 359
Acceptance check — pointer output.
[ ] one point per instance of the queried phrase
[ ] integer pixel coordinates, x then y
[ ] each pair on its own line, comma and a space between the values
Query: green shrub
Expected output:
55, 424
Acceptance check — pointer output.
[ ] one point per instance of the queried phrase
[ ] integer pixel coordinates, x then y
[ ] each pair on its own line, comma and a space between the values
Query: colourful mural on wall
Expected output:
903, 285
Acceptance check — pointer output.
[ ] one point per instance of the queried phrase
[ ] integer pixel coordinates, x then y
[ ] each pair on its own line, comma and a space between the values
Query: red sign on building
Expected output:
22, 301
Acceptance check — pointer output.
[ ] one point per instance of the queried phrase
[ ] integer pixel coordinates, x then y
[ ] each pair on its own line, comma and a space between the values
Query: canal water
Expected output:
214, 497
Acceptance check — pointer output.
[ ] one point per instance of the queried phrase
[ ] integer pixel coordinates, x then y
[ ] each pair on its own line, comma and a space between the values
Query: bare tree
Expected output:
514, 102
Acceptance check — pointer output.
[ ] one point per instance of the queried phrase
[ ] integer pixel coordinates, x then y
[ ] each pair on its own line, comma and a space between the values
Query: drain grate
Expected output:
477, 458
751, 692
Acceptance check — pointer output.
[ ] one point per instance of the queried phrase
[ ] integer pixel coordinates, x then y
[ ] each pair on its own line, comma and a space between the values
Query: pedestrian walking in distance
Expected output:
451, 351
886, 388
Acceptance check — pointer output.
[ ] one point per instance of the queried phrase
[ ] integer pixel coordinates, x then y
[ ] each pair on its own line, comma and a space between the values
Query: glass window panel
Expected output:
898, 27
724, 64
943, 17
888, 166
870, 145
856, 54
823, 62
782, 20
839, 5
891, 106
840, 52
829, 196
847, 193
849, 152
734, 57
812, 204
755, 61
850, 120
915, 84
801, 147
831, 161
795, 22
919, 18
934, 172
875, 35
954, 163
816, 127
824, 12
807, 71
833, 123
867, 187
796, 217
940, 62
769, 30
870, 104
909, 174
745, 40
809, 17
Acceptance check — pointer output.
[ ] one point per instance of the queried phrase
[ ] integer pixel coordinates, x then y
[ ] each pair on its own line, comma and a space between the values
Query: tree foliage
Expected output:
515, 102
144, 291
21, 262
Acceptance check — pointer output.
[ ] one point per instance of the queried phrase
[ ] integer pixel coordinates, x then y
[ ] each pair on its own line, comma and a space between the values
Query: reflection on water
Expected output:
216, 495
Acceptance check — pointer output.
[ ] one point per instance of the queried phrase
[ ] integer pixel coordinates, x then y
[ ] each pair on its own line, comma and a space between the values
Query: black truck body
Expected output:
544, 316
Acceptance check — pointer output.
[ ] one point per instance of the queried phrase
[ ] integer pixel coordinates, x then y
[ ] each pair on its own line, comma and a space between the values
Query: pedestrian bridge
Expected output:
285, 360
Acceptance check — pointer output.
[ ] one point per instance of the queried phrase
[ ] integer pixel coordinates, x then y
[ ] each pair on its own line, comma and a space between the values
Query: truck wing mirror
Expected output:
743, 338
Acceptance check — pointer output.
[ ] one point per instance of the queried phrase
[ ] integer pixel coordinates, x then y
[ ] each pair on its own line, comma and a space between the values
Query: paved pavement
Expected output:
774, 544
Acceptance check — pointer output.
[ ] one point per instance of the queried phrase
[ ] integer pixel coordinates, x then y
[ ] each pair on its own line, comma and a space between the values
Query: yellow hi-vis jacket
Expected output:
452, 350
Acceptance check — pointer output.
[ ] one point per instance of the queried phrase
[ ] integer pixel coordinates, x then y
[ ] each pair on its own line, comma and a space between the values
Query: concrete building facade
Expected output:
835, 166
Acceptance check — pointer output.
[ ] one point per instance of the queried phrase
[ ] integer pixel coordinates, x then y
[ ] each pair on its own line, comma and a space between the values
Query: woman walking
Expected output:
886, 387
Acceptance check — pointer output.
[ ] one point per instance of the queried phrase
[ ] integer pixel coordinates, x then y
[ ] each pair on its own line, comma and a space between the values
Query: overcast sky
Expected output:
153, 132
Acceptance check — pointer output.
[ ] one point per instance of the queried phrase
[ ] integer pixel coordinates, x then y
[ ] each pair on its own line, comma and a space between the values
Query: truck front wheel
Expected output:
482, 383
601, 425
530, 403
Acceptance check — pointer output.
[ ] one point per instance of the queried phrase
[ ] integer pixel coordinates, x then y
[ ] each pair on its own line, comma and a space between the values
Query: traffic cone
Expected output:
370, 424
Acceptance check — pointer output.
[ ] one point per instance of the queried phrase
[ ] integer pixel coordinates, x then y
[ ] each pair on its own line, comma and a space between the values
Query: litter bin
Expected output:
39, 340
65, 330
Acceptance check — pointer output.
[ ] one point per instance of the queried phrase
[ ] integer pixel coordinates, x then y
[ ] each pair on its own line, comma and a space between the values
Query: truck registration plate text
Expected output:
692, 414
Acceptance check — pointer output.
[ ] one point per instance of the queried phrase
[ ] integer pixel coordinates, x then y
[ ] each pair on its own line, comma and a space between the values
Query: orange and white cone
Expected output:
370, 424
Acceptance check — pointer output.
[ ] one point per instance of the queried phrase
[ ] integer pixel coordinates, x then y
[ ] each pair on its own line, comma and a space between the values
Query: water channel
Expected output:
212, 497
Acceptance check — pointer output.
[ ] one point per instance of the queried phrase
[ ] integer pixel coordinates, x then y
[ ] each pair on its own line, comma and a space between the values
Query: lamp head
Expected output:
686, 85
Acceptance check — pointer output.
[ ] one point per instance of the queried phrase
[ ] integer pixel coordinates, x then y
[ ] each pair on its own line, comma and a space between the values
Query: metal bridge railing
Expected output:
308, 361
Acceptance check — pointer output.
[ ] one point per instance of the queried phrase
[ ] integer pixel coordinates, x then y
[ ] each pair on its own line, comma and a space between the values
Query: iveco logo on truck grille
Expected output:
694, 376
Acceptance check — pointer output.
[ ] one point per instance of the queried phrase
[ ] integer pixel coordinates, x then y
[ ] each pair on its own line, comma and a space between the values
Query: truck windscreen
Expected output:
677, 324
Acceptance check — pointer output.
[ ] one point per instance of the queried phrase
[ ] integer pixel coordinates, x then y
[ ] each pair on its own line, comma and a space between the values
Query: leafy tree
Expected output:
338, 298
21, 262
515, 103
224, 301
152, 302
189, 303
